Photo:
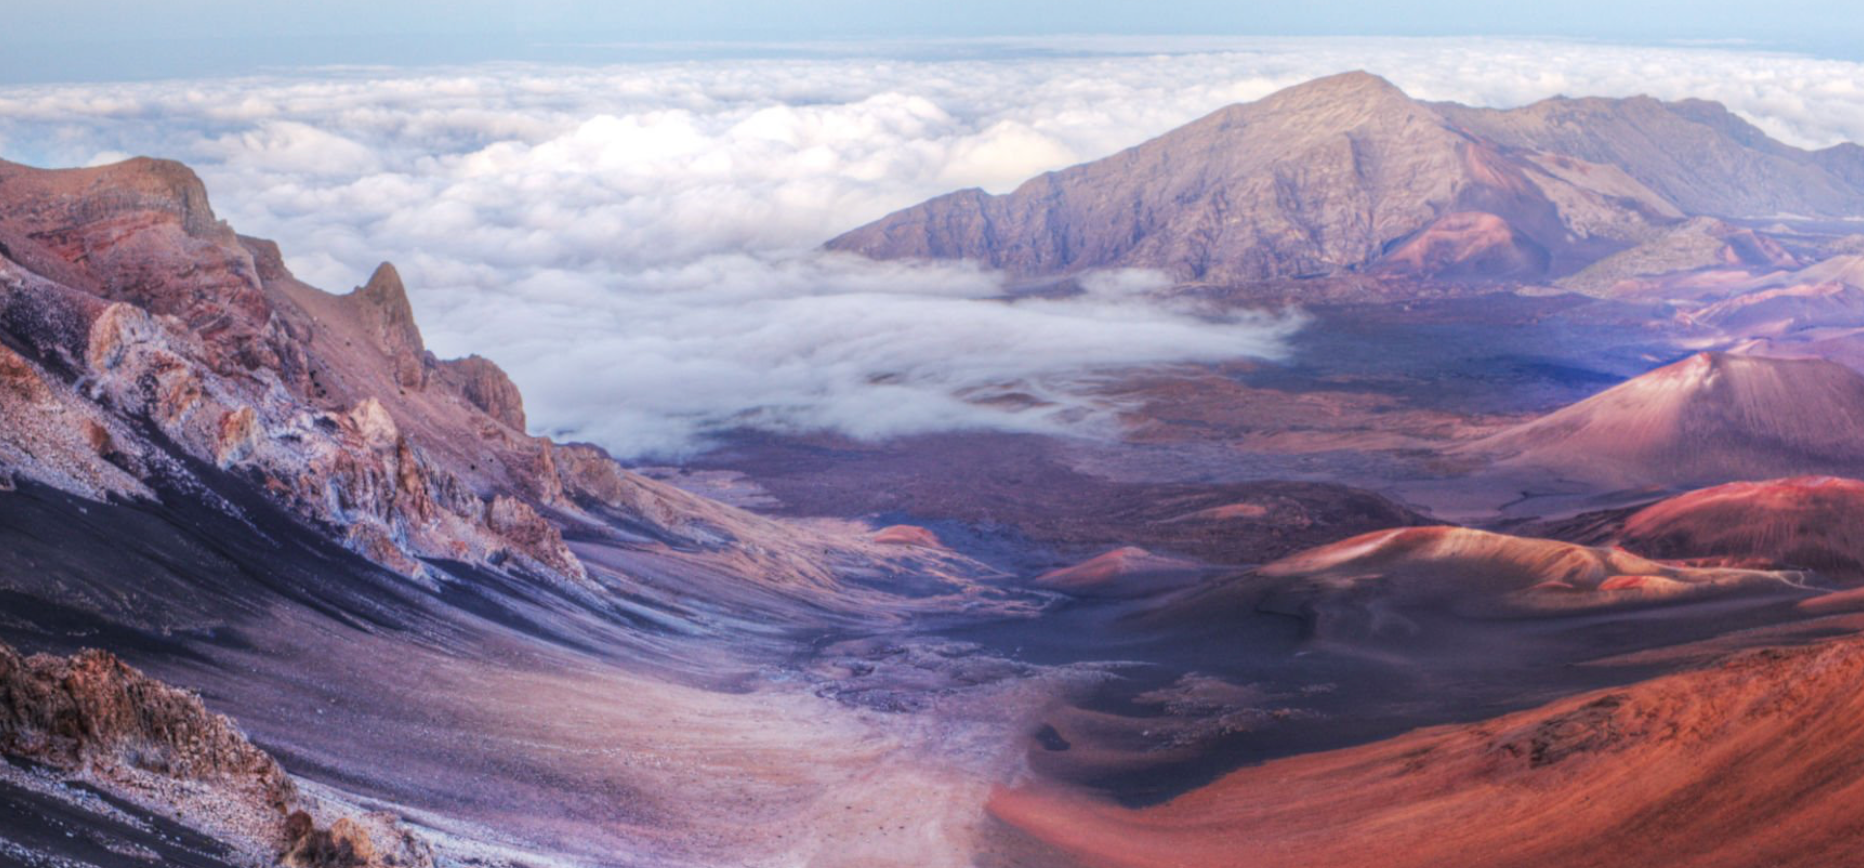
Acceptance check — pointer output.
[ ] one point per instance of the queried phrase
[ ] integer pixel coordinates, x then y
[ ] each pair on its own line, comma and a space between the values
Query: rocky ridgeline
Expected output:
1348, 175
148, 352
136, 331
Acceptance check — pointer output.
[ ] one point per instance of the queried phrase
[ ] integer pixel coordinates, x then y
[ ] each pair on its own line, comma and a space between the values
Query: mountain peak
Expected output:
383, 303
1337, 102
385, 286
1338, 174
1358, 82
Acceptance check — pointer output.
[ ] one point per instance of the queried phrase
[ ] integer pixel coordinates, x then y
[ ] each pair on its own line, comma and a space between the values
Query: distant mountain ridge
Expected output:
1348, 173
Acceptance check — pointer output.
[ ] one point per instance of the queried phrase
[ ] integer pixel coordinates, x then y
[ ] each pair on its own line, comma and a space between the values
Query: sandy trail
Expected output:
570, 760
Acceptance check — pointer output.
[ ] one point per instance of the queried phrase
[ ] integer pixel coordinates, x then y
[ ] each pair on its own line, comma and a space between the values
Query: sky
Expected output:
635, 232
70, 40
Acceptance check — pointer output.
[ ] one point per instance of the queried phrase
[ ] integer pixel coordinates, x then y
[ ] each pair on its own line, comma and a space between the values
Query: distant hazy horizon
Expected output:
658, 212
104, 40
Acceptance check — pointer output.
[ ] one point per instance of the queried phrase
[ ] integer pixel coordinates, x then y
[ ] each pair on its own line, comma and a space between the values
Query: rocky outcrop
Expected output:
591, 478
519, 524
328, 404
375, 840
142, 232
94, 718
383, 306
486, 385
48, 432
93, 712
139, 309
97, 719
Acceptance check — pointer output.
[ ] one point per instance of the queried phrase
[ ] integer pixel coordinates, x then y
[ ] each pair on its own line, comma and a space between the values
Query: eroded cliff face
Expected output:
139, 334
383, 305
144, 344
486, 386
148, 353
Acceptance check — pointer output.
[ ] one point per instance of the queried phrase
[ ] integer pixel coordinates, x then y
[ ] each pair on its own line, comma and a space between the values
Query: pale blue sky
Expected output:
57, 40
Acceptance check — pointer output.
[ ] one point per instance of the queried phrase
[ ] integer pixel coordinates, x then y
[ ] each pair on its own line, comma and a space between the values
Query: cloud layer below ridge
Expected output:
636, 243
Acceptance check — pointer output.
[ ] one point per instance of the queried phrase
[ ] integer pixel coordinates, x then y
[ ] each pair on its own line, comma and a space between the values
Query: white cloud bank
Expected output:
635, 242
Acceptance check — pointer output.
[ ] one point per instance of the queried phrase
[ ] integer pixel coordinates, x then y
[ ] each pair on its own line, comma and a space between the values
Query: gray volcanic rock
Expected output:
1347, 172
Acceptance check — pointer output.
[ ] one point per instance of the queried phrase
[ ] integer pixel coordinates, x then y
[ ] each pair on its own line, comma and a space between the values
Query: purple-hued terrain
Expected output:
1538, 546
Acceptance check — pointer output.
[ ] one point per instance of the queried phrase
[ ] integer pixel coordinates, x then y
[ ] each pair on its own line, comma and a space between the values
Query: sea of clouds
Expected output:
637, 243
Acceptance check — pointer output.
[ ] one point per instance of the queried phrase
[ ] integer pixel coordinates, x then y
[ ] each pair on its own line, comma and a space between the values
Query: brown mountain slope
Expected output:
1357, 589
121, 276
1756, 761
1811, 312
1842, 270
1807, 522
1775, 313
1347, 172
1694, 153
1707, 419
1128, 571
147, 351
1684, 254
1435, 600
1321, 177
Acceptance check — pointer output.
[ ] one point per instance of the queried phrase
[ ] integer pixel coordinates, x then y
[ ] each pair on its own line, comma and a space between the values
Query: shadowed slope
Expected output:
1757, 761
1807, 522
